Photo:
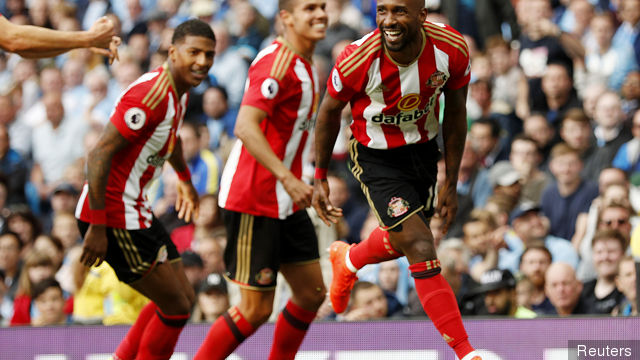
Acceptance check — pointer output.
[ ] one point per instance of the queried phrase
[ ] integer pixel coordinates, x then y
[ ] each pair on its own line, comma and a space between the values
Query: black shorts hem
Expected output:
249, 287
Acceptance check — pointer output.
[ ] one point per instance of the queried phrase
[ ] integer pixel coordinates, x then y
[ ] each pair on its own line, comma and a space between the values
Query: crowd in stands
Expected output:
549, 185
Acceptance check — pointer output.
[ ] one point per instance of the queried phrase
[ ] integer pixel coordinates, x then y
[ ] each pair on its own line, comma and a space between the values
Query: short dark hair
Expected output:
285, 5
15, 237
527, 138
492, 123
192, 27
41, 286
609, 234
536, 245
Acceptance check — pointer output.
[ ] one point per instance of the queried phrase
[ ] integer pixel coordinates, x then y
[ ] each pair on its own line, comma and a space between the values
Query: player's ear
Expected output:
172, 53
423, 14
286, 18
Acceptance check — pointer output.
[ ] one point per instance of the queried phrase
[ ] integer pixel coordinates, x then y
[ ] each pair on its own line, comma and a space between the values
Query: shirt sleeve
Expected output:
261, 90
133, 119
339, 86
459, 65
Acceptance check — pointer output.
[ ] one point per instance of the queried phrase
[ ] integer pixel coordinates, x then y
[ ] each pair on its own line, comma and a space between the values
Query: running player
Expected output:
114, 214
392, 78
263, 197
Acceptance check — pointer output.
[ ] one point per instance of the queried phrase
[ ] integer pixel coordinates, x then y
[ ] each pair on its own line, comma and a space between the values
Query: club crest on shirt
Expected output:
335, 80
265, 276
269, 88
397, 207
437, 79
135, 118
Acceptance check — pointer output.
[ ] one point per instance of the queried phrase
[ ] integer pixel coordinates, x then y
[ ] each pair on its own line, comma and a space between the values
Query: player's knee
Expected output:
312, 298
258, 314
418, 246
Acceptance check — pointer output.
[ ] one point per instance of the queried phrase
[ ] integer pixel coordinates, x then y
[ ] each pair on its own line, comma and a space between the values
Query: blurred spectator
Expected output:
65, 227
500, 206
570, 195
607, 63
211, 251
205, 225
628, 155
63, 200
505, 180
213, 299
630, 93
10, 261
164, 207
480, 238
49, 301
217, 119
506, 75
629, 13
486, 140
26, 225
51, 246
138, 44
524, 291
600, 296
499, 290
534, 263
610, 132
193, 268
525, 157
590, 96
13, 167
37, 267
558, 94
246, 28
536, 127
6, 304
97, 103
202, 163
529, 227
229, 68
354, 214
576, 131
454, 261
368, 302
626, 284
337, 30
563, 289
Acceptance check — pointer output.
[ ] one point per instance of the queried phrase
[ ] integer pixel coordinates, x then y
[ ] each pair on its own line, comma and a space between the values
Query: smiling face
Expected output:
399, 22
191, 57
307, 19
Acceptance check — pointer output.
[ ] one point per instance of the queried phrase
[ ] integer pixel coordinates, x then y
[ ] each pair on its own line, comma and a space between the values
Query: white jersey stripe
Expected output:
285, 203
410, 84
83, 197
228, 173
374, 131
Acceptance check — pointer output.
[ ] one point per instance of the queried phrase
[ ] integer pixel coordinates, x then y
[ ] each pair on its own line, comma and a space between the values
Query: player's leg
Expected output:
309, 292
128, 347
251, 259
414, 239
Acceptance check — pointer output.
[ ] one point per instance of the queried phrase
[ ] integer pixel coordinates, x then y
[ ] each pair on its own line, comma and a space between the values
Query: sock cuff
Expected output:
173, 320
348, 263
425, 269
297, 316
387, 244
239, 326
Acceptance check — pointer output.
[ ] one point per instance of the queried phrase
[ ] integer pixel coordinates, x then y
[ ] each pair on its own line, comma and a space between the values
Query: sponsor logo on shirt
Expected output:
155, 160
437, 79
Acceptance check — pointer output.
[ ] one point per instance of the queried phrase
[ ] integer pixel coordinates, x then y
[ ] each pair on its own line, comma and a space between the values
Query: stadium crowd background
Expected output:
548, 187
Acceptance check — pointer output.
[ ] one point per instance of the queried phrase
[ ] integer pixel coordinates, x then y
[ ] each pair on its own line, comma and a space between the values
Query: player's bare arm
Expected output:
94, 248
248, 131
187, 202
454, 134
327, 128
38, 42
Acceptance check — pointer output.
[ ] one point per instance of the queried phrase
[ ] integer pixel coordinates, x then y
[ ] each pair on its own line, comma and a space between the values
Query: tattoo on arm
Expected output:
99, 164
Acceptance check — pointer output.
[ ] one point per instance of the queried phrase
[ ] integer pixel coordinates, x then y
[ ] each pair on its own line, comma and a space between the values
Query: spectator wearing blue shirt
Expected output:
203, 164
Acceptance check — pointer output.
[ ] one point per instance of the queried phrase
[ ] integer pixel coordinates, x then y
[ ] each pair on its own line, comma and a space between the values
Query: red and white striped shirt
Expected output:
285, 85
148, 114
392, 104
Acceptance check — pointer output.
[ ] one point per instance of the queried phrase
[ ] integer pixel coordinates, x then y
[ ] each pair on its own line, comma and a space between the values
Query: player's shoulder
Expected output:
149, 90
358, 52
446, 37
274, 60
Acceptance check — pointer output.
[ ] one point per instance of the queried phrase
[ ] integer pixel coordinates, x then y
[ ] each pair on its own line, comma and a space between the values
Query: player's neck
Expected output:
410, 52
180, 87
304, 47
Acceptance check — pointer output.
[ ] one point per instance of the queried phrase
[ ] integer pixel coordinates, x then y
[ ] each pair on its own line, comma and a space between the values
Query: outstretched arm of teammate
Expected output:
327, 128
38, 42
111, 141
248, 130
454, 134
187, 202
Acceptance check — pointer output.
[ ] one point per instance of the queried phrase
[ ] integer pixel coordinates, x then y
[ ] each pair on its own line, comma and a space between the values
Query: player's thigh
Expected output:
414, 239
252, 256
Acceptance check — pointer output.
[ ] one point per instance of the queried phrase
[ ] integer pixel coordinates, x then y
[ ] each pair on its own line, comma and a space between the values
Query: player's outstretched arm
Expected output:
454, 134
94, 248
187, 202
248, 131
327, 128
38, 42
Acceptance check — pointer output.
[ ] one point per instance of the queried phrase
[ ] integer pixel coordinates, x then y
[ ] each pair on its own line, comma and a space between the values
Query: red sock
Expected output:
128, 347
224, 336
291, 327
374, 249
440, 304
161, 336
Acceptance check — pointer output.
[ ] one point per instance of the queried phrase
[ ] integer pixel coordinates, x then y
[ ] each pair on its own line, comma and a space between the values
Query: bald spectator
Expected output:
570, 195
563, 289
535, 261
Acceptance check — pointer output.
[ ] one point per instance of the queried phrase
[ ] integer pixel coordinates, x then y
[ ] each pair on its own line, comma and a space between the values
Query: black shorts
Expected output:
134, 253
257, 245
397, 182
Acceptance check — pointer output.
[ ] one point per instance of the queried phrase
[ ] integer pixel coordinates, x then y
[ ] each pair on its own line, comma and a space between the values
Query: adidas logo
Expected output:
449, 339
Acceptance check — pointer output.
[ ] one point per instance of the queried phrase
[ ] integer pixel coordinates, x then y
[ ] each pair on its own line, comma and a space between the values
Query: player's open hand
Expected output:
299, 191
447, 205
327, 212
111, 52
94, 247
187, 202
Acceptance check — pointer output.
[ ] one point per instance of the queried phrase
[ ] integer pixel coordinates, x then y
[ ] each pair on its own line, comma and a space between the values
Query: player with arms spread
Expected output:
392, 78
37, 42
262, 196
114, 214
